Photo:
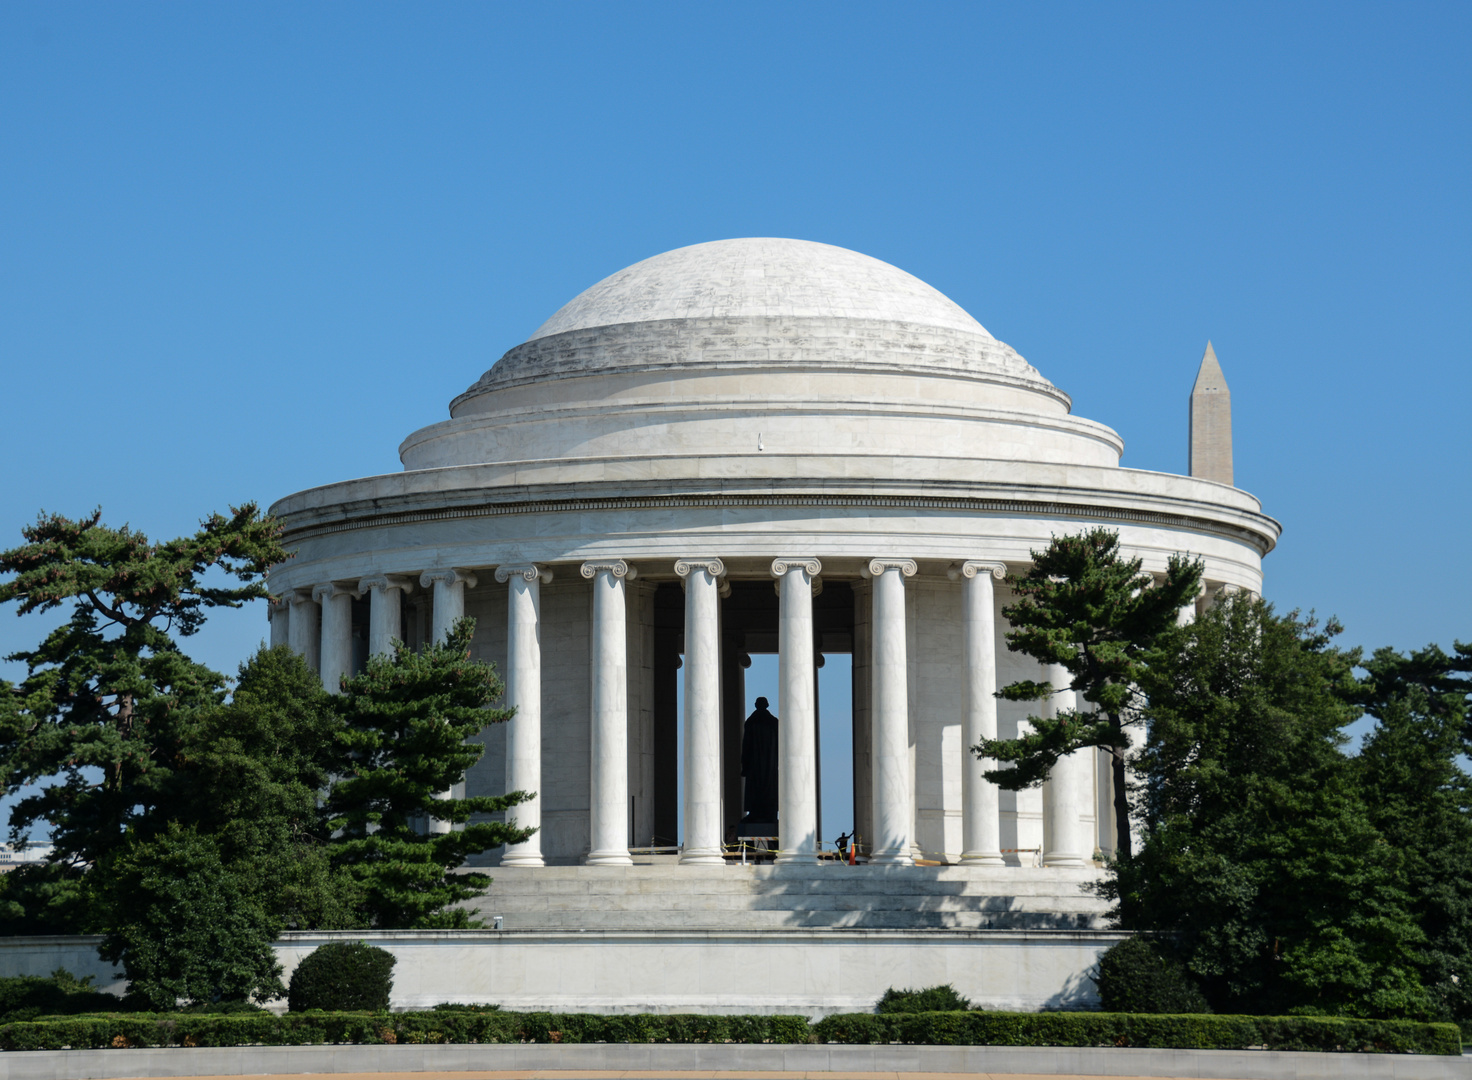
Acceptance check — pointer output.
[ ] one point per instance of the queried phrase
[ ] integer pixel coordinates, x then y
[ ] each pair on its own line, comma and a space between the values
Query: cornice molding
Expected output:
376, 517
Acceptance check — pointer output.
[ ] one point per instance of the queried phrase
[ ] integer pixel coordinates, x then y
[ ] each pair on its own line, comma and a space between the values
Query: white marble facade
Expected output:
734, 417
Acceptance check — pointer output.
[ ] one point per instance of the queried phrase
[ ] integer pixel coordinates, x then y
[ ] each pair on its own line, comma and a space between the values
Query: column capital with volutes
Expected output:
330, 590
385, 582
714, 567
528, 572
299, 596
811, 566
448, 576
875, 567
618, 568
972, 567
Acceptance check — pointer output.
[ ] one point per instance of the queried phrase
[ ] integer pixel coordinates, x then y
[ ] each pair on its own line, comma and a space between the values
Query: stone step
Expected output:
666, 895
793, 903
771, 920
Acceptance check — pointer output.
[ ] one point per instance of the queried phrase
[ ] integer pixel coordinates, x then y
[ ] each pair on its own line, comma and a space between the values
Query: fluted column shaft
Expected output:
609, 797
797, 793
337, 633
449, 599
889, 672
1066, 791
981, 819
280, 622
385, 602
524, 694
302, 628
702, 710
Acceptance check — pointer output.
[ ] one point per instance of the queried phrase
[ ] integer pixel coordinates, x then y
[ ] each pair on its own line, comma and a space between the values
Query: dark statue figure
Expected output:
759, 765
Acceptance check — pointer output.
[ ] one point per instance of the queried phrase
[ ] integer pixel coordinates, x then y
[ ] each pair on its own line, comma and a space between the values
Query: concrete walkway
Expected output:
757, 1062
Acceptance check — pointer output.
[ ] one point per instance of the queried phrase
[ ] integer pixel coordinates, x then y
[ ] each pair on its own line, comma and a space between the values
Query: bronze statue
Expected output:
759, 765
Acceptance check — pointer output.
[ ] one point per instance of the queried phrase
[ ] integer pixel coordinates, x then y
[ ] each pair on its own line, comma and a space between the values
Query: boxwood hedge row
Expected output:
124, 1030
1195, 1031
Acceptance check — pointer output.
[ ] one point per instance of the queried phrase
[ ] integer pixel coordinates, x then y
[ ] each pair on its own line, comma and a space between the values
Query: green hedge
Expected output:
1195, 1031
301, 1029
935, 1029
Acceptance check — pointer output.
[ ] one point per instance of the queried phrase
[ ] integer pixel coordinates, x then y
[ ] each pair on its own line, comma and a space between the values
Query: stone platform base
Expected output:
810, 971
813, 972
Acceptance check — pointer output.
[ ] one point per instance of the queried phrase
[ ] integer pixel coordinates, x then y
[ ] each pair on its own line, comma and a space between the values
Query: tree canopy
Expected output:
1261, 862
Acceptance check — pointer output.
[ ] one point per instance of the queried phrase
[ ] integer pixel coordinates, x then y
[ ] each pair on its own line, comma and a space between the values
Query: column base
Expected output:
797, 858
982, 858
1062, 861
608, 858
701, 856
528, 859
890, 859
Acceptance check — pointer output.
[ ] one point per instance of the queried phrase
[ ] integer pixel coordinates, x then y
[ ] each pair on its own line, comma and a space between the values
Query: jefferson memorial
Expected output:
759, 446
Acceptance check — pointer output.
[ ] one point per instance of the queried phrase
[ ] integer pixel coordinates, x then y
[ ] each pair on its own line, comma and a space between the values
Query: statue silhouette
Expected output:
759, 764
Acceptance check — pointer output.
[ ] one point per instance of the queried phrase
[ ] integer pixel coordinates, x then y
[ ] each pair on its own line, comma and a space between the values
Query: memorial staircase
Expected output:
662, 895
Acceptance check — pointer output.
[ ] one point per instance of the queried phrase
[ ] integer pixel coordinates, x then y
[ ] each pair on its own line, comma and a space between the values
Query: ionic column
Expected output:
302, 627
280, 614
449, 598
337, 633
981, 819
1065, 843
385, 598
524, 694
893, 806
702, 710
1220, 593
797, 765
609, 799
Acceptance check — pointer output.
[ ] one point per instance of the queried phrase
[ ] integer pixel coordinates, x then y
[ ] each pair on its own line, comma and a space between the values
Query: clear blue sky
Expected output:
245, 249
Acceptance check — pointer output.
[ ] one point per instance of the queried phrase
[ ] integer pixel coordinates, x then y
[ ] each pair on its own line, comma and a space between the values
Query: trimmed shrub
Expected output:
343, 977
176, 1029
223, 1008
1136, 976
1186, 1032
925, 1029
456, 1006
25, 997
931, 999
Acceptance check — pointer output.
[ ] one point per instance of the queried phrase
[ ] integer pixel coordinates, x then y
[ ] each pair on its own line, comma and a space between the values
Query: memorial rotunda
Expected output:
755, 445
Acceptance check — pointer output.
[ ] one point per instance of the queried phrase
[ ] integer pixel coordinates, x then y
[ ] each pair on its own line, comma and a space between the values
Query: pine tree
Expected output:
102, 712
409, 721
1085, 607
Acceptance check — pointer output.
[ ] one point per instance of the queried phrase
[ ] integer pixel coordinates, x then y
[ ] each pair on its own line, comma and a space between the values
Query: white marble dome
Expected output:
759, 277
780, 347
